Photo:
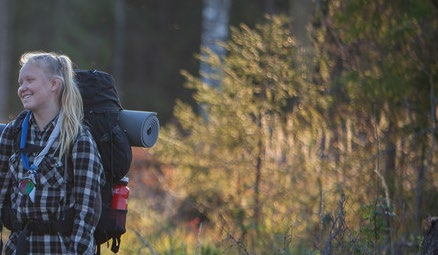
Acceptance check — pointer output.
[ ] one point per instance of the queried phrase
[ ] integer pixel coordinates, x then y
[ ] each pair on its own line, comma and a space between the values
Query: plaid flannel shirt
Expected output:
53, 195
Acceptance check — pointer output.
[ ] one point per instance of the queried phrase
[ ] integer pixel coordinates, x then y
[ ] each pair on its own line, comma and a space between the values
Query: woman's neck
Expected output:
42, 118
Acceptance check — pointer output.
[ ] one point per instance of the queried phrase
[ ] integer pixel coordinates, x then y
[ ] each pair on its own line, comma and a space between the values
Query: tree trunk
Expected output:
419, 189
215, 18
258, 176
430, 239
119, 44
4, 63
390, 177
301, 12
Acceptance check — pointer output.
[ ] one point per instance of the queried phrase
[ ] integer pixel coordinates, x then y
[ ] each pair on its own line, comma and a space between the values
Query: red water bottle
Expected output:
120, 195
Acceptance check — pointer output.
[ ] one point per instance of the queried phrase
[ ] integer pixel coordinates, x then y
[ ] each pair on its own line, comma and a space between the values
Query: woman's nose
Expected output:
21, 88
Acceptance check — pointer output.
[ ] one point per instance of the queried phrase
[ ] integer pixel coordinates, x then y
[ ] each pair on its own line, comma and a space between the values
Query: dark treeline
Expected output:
145, 44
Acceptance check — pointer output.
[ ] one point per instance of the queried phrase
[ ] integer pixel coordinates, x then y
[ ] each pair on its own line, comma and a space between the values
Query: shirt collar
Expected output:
49, 126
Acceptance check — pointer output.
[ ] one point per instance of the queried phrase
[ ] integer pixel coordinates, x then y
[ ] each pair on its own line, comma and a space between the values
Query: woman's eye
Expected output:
25, 80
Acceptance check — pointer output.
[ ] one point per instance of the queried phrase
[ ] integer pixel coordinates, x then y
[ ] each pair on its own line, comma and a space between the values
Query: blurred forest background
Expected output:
310, 129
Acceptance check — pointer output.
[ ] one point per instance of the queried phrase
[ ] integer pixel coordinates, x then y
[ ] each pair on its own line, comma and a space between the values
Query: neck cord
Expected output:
33, 169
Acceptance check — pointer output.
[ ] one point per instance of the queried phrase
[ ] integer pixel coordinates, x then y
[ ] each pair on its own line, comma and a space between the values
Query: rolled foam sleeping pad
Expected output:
141, 127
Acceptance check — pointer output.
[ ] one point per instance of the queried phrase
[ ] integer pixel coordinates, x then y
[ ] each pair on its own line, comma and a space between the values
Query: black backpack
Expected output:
101, 114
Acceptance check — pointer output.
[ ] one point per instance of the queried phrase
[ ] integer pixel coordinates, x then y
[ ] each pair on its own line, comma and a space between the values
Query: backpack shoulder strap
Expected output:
16, 128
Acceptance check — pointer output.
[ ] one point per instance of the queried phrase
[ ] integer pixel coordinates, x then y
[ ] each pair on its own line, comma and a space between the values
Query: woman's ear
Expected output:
56, 83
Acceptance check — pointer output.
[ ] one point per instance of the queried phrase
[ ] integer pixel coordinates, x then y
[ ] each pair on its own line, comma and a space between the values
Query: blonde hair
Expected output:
61, 67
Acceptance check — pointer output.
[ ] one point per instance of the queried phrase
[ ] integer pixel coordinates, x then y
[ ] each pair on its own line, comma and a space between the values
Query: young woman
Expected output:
50, 169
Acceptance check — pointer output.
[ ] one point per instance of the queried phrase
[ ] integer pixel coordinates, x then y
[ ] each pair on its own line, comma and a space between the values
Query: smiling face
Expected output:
36, 90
